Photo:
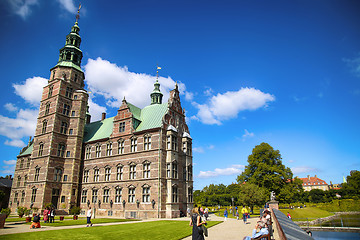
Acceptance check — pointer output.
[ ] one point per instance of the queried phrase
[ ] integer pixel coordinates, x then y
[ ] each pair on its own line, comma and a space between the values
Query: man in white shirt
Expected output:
263, 231
88, 216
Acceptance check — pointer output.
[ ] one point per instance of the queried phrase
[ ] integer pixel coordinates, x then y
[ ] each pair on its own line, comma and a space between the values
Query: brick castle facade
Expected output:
135, 164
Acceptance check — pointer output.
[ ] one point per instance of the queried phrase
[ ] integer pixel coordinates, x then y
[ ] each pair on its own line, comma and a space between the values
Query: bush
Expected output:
6, 211
75, 210
21, 211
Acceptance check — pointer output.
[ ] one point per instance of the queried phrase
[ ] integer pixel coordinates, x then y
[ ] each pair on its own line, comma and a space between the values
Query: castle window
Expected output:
106, 195
133, 144
146, 194
174, 194
168, 170
28, 163
22, 163
75, 97
47, 108
119, 173
65, 178
94, 195
37, 173
68, 92
25, 180
67, 153
109, 149
44, 126
190, 194
146, 170
73, 113
107, 174
86, 176
68, 56
18, 181
132, 171
57, 175
64, 127
98, 151
66, 109
22, 196
33, 195
96, 175
83, 196
174, 143
118, 193
184, 173
121, 144
50, 90
61, 150
131, 195
174, 170
168, 142
87, 152
147, 143
189, 172
41, 149
71, 131
16, 197
122, 127
75, 78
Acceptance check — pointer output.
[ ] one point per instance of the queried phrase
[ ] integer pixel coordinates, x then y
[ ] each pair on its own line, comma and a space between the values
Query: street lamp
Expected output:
232, 200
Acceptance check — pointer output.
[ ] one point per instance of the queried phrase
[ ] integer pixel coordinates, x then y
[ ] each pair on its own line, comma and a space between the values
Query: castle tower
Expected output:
55, 161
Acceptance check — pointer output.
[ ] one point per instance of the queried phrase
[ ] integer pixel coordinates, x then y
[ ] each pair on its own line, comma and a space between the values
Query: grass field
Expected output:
157, 230
83, 222
301, 214
23, 219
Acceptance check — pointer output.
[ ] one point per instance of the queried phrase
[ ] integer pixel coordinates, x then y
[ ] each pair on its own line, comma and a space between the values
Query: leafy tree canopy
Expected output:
265, 169
252, 195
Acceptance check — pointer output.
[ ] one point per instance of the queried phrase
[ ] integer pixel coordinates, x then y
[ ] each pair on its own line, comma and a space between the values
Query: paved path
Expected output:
231, 229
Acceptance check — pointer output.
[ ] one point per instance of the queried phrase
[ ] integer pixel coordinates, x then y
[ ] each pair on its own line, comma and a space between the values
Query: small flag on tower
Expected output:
158, 67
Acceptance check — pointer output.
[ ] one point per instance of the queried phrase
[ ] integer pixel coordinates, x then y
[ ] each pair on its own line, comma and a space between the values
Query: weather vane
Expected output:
157, 71
78, 13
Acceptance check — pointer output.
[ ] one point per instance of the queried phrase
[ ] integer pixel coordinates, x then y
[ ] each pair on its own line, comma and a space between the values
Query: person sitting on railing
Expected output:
262, 231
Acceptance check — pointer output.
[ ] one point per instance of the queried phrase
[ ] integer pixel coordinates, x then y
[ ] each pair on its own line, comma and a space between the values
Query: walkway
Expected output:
228, 230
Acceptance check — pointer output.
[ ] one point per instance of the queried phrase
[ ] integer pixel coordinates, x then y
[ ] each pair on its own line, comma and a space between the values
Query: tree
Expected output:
251, 195
316, 195
352, 186
291, 192
265, 169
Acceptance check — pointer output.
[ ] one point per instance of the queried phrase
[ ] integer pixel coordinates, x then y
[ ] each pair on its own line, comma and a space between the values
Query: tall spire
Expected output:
71, 55
156, 95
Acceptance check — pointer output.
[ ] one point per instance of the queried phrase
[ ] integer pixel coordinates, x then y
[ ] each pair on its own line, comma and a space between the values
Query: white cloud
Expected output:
234, 169
68, 5
247, 134
291, 161
11, 107
303, 169
7, 171
208, 92
354, 65
95, 110
16, 128
226, 106
10, 162
15, 143
22, 7
31, 90
198, 149
114, 82
189, 96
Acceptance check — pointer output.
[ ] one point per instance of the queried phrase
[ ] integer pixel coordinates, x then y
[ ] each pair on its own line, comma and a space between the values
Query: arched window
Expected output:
41, 149
119, 172
132, 171
131, 195
146, 193
107, 173
68, 56
146, 169
147, 142
174, 191
118, 194
50, 91
121, 146
88, 152
109, 149
98, 150
47, 108
61, 150
44, 126
58, 174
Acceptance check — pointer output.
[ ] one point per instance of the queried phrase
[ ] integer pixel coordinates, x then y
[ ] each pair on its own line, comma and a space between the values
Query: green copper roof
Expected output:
98, 130
28, 150
151, 116
135, 111
68, 64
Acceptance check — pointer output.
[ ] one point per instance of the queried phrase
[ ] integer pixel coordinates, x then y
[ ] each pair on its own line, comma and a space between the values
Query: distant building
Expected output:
5, 186
310, 183
136, 164
335, 186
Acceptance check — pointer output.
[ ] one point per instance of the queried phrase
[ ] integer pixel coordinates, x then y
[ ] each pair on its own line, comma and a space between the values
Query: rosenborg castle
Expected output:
135, 164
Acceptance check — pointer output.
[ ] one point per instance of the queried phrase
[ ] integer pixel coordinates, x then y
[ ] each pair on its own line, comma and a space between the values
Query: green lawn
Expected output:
157, 230
23, 219
301, 214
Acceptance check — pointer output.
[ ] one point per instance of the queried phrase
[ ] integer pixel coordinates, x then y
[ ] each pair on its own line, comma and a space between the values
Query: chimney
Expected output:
103, 116
315, 176
88, 118
9, 177
308, 177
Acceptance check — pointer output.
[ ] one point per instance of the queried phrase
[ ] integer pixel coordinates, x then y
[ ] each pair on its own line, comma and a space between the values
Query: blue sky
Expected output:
282, 72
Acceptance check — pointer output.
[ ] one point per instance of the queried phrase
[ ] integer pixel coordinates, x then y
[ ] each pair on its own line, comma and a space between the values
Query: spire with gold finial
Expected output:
156, 95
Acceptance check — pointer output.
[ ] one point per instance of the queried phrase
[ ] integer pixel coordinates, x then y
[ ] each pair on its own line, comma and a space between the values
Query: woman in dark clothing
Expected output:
196, 222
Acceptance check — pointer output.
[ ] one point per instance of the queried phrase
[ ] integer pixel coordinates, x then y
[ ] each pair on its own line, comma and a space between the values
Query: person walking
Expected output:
88, 218
225, 214
52, 215
196, 222
46, 215
244, 212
